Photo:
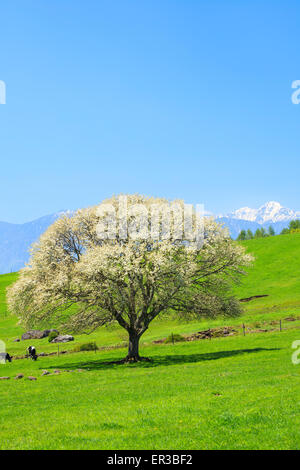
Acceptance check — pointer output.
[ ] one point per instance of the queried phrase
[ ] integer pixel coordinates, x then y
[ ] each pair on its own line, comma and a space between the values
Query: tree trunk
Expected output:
133, 348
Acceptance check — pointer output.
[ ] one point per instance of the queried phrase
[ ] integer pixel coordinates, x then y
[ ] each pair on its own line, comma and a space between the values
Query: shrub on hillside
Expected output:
92, 346
174, 338
52, 335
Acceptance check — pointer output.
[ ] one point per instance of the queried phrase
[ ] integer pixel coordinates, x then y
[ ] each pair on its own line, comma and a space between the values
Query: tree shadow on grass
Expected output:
167, 360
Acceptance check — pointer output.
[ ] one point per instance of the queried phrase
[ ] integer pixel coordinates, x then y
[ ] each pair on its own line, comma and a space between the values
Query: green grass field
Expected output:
226, 393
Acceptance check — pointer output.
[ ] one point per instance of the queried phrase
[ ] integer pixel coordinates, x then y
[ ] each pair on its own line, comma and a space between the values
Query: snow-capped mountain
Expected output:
270, 212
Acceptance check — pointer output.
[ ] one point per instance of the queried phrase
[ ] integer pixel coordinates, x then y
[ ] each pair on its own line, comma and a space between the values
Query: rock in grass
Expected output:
33, 334
31, 378
4, 378
17, 340
45, 372
63, 339
19, 376
37, 334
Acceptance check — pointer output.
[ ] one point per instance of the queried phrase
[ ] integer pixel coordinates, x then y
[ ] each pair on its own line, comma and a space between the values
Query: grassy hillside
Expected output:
276, 273
227, 393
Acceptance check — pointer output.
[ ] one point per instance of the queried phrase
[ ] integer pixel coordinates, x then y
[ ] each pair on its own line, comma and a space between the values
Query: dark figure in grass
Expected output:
32, 353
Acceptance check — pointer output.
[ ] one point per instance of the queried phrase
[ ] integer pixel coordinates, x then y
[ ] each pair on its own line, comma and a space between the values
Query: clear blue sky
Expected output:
175, 98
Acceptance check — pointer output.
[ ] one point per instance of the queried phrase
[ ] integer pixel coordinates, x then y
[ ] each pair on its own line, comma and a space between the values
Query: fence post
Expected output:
244, 331
58, 349
280, 327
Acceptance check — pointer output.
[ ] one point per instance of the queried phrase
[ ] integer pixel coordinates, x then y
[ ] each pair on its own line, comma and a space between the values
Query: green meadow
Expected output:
237, 392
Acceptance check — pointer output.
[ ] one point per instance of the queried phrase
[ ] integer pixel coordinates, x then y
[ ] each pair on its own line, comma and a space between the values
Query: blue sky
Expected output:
169, 98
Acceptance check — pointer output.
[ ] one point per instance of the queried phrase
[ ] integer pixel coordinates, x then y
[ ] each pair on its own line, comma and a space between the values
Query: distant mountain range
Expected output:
271, 213
16, 239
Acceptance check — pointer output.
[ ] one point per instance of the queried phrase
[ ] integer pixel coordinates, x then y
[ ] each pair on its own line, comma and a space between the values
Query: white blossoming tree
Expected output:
82, 277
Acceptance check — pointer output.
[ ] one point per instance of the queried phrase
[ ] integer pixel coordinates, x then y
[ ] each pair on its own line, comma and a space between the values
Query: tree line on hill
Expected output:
294, 227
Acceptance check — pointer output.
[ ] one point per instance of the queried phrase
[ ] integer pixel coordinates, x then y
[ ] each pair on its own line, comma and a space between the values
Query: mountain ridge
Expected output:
16, 239
271, 211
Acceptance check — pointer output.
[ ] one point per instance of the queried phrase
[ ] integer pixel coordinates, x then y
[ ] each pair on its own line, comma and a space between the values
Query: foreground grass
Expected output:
229, 393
